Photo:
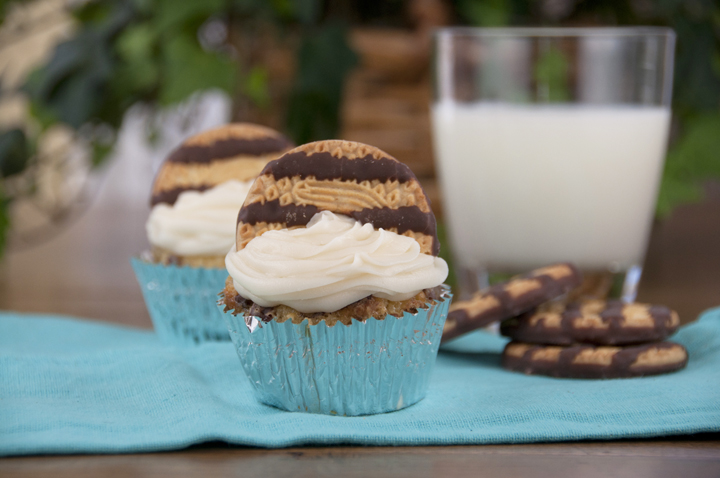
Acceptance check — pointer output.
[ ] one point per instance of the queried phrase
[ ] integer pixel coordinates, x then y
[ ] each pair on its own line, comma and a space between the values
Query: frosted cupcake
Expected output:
335, 300
196, 197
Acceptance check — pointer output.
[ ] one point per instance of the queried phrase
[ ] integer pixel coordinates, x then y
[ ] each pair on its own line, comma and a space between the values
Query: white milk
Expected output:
525, 186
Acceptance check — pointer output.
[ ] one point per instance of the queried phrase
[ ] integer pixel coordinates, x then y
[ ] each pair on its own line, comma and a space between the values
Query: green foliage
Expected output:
138, 70
148, 51
693, 158
255, 87
490, 13
4, 220
177, 16
99, 152
695, 155
72, 87
551, 74
446, 255
675, 191
697, 76
187, 69
325, 58
128, 52
306, 11
14, 152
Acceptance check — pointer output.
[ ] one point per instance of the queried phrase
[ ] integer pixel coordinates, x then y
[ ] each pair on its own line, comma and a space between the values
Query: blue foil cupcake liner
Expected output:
182, 301
364, 368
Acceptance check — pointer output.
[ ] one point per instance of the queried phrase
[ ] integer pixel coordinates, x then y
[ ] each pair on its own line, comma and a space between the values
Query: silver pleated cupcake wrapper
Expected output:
182, 301
364, 368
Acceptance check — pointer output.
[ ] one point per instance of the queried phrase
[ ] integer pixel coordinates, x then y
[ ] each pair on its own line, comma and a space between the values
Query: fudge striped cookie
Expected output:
597, 322
588, 361
234, 151
510, 298
342, 177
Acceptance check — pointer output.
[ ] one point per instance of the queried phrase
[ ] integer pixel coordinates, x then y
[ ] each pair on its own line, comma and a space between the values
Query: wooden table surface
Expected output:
84, 271
699, 456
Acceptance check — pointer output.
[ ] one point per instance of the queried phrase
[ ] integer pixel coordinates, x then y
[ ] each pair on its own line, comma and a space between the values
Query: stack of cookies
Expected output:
589, 339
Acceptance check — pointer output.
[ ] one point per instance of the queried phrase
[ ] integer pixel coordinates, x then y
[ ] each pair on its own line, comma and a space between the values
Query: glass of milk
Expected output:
549, 144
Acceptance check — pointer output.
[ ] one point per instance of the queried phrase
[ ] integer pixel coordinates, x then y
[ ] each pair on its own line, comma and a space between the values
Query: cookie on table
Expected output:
588, 361
510, 298
233, 151
599, 322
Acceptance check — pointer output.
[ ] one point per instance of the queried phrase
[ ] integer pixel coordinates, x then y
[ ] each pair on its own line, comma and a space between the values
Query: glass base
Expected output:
631, 283
470, 281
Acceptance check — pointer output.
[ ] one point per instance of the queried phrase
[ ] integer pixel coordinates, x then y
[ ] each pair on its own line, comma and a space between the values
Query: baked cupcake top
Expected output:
333, 222
200, 188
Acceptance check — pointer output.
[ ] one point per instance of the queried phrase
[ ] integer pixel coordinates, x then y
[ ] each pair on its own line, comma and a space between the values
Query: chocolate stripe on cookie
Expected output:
174, 178
325, 166
228, 148
407, 218
586, 361
510, 298
290, 215
402, 219
170, 196
595, 322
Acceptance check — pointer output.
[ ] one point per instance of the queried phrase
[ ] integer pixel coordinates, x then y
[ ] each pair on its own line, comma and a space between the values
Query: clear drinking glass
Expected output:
550, 144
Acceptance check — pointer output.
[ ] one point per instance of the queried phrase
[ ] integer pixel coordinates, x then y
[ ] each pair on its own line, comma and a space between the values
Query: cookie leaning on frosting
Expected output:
344, 177
201, 186
336, 231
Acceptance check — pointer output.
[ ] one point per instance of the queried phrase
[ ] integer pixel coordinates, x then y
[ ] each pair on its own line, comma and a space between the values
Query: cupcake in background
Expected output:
200, 188
334, 299
196, 197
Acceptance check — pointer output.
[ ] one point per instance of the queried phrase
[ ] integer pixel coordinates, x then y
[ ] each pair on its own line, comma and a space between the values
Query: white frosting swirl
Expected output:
331, 263
199, 223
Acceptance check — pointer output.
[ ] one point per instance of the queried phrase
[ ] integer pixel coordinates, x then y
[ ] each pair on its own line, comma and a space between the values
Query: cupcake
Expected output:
334, 299
196, 197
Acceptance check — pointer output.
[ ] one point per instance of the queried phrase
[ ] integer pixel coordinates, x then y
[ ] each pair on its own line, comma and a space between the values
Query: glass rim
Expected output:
559, 32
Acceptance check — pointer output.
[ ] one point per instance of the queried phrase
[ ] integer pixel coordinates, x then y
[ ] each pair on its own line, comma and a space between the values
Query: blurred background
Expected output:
94, 94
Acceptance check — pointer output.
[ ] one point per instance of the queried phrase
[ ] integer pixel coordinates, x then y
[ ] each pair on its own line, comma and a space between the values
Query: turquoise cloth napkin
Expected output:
74, 386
